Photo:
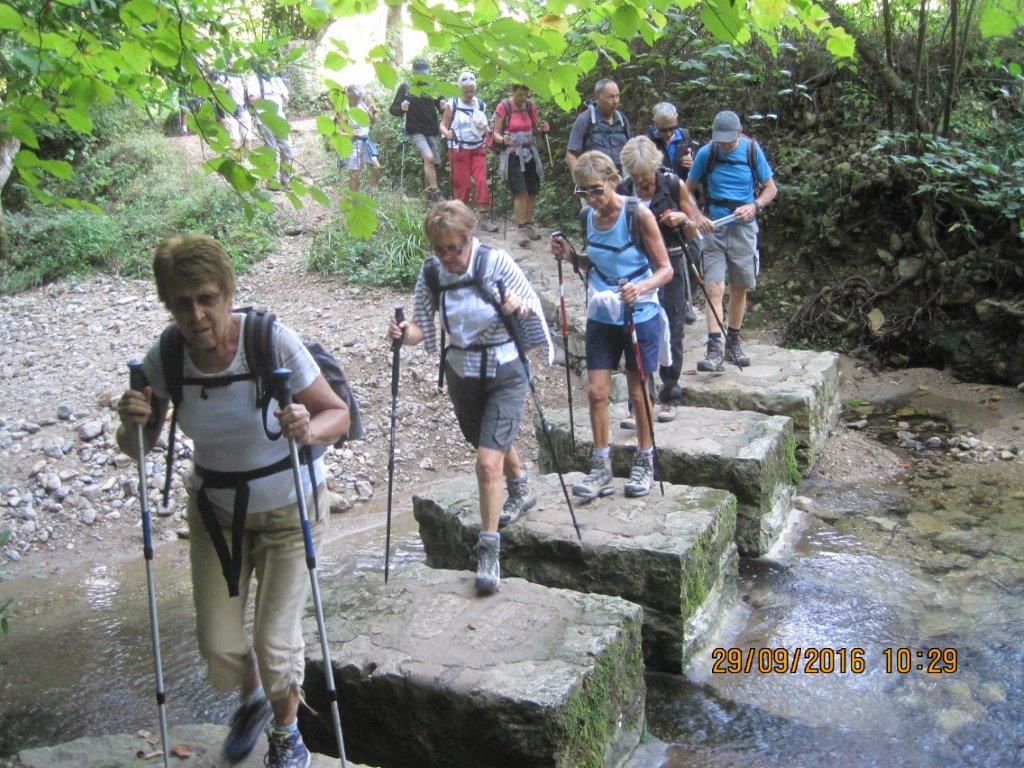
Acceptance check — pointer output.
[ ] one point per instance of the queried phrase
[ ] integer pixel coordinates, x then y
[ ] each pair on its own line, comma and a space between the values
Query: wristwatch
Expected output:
757, 206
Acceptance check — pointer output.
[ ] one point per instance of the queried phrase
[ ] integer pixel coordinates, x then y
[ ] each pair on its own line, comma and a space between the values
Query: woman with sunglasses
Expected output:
613, 256
486, 381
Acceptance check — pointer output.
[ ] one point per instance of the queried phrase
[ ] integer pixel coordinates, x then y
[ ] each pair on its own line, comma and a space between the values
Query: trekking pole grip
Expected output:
282, 386
396, 344
501, 290
136, 378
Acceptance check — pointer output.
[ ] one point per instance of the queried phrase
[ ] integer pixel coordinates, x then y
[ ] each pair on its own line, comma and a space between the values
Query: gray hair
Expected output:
595, 167
600, 85
663, 112
640, 156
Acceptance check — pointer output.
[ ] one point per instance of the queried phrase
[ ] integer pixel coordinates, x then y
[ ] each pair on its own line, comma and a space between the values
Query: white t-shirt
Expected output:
469, 122
274, 90
226, 427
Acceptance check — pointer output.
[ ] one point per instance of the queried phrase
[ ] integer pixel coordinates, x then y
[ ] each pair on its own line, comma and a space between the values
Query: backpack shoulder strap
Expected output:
258, 341
584, 215
633, 221
483, 254
752, 161
433, 281
172, 359
621, 118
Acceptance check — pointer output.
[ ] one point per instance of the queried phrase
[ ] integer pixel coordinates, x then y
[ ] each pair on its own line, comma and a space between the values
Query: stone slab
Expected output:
429, 674
749, 454
674, 554
204, 742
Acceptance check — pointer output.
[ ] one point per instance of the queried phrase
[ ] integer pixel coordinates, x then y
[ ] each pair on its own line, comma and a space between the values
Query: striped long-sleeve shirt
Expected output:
471, 320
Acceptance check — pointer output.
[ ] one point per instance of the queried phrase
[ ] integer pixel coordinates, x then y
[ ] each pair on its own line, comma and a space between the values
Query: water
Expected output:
932, 567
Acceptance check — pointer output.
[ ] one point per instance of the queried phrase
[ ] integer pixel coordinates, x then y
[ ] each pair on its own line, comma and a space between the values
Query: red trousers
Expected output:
470, 165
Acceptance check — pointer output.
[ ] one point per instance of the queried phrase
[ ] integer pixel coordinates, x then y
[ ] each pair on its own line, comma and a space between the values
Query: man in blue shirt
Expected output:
737, 179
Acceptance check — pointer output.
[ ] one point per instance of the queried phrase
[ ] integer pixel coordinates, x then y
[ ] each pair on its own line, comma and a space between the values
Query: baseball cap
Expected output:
420, 66
726, 127
467, 78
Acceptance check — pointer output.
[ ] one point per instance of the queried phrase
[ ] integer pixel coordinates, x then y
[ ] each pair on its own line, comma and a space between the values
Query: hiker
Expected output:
601, 126
464, 125
196, 283
672, 139
614, 254
662, 192
516, 125
736, 178
364, 152
232, 112
421, 126
262, 87
486, 380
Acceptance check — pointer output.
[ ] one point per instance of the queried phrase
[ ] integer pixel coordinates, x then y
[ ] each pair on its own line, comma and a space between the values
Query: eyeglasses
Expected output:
592, 192
668, 128
448, 250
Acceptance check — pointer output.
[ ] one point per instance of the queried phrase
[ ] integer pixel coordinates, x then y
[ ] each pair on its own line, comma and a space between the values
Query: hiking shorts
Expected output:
364, 154
273, 550
426, 145
489, 410
522, 182
606, 342
732, 249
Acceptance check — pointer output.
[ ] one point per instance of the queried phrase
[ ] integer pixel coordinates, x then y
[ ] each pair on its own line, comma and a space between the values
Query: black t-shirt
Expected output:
422, 116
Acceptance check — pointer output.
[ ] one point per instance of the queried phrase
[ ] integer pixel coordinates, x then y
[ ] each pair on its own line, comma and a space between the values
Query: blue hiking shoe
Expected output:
286, 750
247, 724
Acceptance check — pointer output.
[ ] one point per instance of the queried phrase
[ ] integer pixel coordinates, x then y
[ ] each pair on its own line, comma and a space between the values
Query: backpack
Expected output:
257, 346
752, 145
432, 279
620, 124
636, 237
530, 109
480, 106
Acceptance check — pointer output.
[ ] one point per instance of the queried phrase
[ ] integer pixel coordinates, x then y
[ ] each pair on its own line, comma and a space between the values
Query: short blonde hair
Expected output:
595, 167
449, 216
640, 156
191, 260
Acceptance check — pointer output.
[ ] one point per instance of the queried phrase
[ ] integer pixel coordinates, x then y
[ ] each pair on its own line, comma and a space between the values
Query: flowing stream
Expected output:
877, 569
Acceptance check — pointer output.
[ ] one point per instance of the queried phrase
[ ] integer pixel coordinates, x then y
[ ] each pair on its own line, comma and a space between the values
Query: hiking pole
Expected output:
401, 171
137, 382
551, 158
643, 379
703, 288
396, 346
563, 317
513, 331
283, 390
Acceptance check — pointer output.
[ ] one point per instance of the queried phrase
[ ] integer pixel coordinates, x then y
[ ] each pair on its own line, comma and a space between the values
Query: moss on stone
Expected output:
791, 464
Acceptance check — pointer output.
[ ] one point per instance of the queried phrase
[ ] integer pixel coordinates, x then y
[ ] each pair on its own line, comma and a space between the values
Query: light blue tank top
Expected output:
613, 256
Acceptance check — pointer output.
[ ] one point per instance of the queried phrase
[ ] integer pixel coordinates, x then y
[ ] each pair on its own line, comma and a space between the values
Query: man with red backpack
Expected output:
736, 179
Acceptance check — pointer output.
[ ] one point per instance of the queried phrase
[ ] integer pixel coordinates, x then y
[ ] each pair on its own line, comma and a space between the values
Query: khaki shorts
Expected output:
273, 550
489, 411
733, 248
426, 145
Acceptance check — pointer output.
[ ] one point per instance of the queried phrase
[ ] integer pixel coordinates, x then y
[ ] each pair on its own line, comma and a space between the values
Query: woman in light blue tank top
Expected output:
615, 255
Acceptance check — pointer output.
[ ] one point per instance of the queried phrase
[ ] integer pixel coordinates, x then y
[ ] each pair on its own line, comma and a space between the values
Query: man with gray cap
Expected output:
421, 125
736, 179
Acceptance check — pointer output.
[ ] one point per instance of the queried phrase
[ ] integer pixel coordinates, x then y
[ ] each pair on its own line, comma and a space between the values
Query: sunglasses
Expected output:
448, 250
592, 192
668, 128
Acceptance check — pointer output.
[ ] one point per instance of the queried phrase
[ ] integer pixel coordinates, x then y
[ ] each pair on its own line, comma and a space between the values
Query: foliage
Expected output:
392, 258
144, 197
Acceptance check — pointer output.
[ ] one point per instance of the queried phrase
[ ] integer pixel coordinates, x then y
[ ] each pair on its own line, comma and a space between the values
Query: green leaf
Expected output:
840, 44
78, 119
996, 22
61, 169
362, 221
10, 18
20, 129
142, 11
386, 74
266, 111
165, 55
334, 60
325, 126
587, 60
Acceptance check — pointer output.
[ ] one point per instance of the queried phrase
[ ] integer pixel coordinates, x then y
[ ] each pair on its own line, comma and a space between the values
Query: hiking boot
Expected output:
641, 476
628, 423
666, 413
689, 315
247, 723
531, 232
713, 360
599, 482
518, 503
487, 224
286, 750
433, 195
488, 564
524, 236
734, 352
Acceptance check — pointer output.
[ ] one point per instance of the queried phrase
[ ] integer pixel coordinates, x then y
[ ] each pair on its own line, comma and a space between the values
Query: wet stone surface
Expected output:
672, 554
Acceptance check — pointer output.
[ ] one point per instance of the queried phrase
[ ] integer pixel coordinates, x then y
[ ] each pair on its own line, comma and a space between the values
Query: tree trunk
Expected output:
922, 28
947, 101
887, 28
393, 33
9, 147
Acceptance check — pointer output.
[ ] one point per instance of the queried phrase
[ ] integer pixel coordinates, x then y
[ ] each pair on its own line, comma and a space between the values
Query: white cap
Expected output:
467, 78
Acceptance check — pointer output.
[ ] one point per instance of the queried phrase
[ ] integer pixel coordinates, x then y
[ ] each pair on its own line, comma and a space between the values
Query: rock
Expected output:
51, 481
427, 463
182, 533
89, 516
90, 430
909, 267
804, 502
91, 492
122, 460
859, 424
38, 467
951, 719
339, 504
1006, 455
65, 412
934, 443
13, 556
364, 490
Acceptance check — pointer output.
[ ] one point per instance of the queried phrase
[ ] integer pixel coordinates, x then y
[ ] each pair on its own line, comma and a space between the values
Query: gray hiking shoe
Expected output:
523, 236
488, 564
713, 360
599, 482
641, 476
286, 750
487, 224
666, 413
531, 232
734, 352
247, 723
518, 503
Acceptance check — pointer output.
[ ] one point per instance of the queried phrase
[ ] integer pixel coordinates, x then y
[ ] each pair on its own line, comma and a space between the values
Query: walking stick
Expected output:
284, 397
396, 346
137, 382
563, 317
703, 288
643, 378
551, 158
513, 331
401, 172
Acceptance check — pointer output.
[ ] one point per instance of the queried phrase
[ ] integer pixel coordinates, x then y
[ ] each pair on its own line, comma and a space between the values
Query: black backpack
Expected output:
257, 346
751, 158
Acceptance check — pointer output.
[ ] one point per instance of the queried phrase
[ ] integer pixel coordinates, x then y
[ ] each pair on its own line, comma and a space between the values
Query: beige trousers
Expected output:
273, 550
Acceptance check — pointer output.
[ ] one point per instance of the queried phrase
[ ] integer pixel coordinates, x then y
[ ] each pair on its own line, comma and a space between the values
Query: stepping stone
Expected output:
674, 554
429, 674
749, 454
203, 743
801, 384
